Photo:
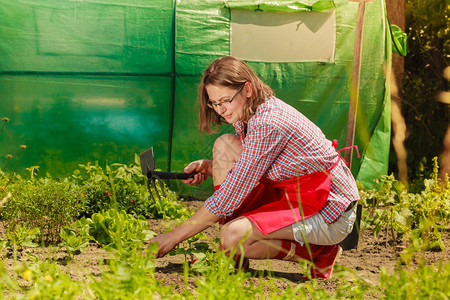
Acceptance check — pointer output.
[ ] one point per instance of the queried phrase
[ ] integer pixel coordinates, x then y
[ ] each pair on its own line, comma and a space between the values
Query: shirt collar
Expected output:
239, 126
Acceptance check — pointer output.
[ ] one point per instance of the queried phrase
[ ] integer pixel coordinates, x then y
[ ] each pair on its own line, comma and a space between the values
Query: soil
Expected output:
372, 254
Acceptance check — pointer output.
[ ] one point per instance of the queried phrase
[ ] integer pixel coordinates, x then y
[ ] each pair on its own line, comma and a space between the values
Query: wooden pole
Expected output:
354, 89
351, 241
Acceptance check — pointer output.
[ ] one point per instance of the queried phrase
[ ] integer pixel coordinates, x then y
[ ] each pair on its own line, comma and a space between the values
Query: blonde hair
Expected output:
229, 71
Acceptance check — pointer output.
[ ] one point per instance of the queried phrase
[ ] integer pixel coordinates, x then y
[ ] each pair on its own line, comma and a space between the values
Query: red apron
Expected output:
273, 205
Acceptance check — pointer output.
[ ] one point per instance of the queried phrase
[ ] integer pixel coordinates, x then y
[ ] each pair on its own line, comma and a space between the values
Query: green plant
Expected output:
7, 283
351, 285
193, 248
170, 208
5, 120
8, 158
46, 280
422, 216
124, 187
117, 230
131, 278
221, 280
73, 241
21, 236
33, 171
47, 203
100, 188
13, 173
423, 282
383, 208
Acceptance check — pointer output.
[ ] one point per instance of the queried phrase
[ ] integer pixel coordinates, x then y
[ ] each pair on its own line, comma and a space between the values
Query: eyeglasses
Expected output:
213, 105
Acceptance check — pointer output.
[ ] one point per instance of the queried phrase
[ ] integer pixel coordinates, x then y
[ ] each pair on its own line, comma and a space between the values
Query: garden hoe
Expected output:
148, 169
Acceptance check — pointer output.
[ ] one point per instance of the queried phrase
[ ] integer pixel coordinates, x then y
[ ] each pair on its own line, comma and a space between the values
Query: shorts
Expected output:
316, 231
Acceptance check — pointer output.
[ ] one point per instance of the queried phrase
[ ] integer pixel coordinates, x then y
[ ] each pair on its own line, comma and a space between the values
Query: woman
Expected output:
282, 189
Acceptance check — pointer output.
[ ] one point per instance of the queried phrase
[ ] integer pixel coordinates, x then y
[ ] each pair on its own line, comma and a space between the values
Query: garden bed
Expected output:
373, 253
97, 224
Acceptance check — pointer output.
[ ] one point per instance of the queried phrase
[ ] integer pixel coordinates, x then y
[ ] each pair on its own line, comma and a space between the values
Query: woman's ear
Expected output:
248, 89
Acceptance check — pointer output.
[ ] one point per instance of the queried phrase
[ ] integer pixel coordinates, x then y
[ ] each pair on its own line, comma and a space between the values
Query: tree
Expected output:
427, 119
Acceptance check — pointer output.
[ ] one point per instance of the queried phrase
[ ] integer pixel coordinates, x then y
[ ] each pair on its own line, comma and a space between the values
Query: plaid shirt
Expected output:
281, 143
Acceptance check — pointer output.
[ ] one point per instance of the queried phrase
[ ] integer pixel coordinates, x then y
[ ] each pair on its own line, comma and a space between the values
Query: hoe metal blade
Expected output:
148, 169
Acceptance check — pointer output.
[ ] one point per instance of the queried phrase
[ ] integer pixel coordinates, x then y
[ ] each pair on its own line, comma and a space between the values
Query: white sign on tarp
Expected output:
283, 37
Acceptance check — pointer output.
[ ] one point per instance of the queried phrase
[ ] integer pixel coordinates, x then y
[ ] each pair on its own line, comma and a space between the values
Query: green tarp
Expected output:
101, 80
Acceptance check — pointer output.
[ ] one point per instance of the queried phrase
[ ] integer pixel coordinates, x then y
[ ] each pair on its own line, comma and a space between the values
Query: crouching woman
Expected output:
282, 191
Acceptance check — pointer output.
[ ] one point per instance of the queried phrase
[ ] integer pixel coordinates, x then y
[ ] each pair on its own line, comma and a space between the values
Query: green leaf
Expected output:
98, 178
399, 40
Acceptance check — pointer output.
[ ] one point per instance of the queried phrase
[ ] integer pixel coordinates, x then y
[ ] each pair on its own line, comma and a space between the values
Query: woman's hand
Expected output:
203, 168
166, 242
199, 221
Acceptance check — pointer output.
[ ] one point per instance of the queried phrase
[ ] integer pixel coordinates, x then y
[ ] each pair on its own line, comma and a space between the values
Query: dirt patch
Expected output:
372, 254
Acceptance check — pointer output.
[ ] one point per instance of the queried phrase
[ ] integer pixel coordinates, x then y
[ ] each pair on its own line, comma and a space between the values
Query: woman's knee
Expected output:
226, 152
227, 147
235, 232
